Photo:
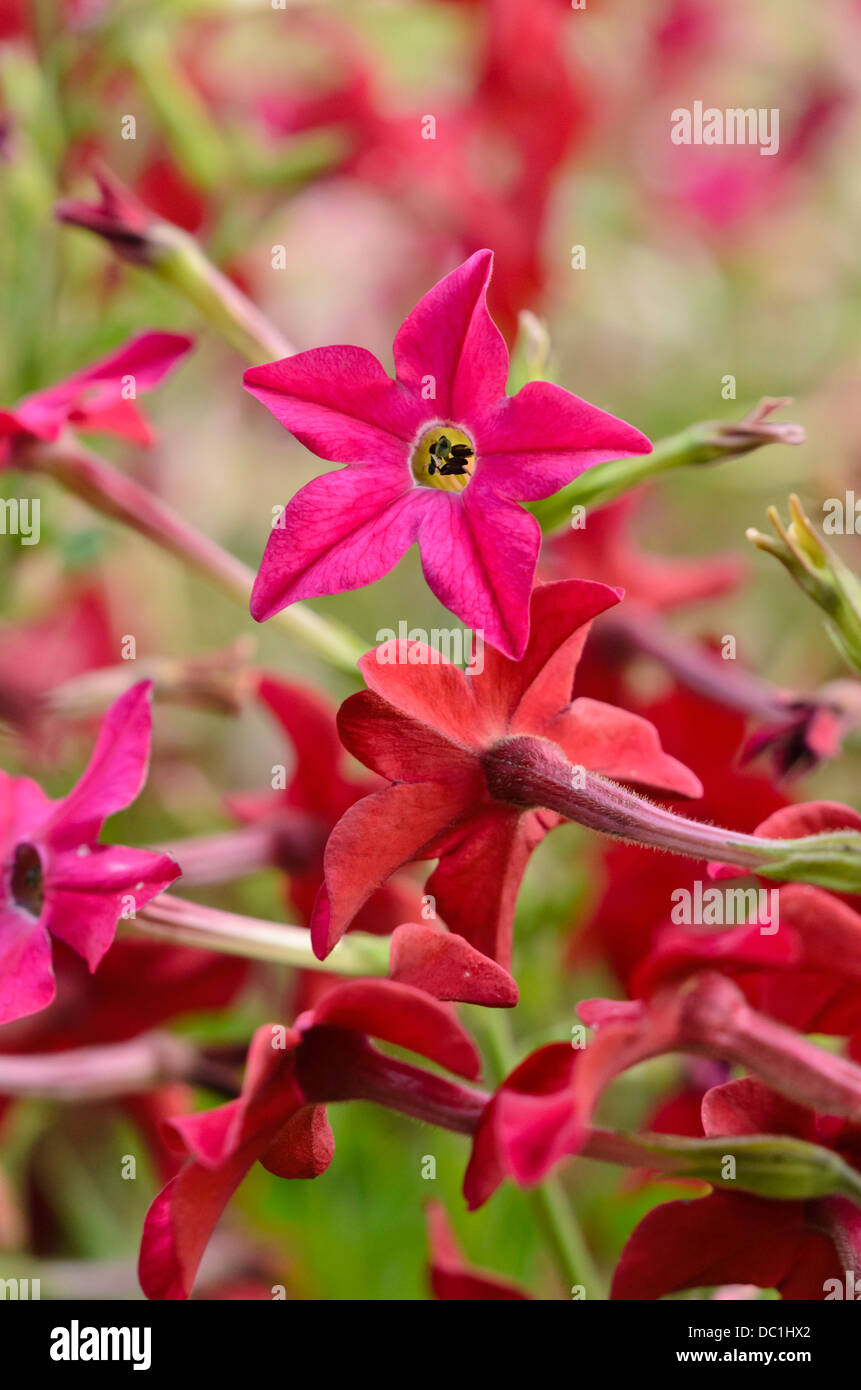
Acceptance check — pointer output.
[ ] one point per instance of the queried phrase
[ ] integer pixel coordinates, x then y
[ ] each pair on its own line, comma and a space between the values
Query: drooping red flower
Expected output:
280, 1119
796, 1247
542, 1112
99, 397
57, 880
424, 725
439, 456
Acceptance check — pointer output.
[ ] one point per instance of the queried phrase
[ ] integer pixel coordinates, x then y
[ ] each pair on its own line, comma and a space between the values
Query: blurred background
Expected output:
379, 142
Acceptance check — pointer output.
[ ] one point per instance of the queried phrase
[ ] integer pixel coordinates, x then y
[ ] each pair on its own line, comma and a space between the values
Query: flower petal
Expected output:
520, 696
400, 1014
451, 338
114, 775
26, 976
448, 967
530, 445
479, 558
373, 838
617, 744
341, 531
478, 877
339, 403
727, 1238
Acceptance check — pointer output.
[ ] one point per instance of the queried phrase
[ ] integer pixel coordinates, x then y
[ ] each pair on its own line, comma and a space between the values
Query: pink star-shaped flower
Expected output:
55, 879
440, 455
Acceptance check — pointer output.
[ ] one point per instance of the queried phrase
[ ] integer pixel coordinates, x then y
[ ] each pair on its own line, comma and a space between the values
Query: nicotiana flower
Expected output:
280, 1120
804, 1249
99, 397
440, 455
56, 879
428, 728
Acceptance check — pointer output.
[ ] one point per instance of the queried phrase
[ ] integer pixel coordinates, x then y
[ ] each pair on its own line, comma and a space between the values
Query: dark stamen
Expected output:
26, 884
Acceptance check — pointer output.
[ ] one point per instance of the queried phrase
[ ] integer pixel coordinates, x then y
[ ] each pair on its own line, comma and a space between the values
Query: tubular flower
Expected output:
427, 727
280, 1120
440, 456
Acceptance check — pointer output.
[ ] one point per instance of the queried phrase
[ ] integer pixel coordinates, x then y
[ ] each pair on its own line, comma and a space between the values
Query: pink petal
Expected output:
305, 1146
26, 976
479, 558
180, 1222
339, 402
451, 337
530, 445
114, 775
451, 1276
147, 358
86, 895
341, 531
746, 1106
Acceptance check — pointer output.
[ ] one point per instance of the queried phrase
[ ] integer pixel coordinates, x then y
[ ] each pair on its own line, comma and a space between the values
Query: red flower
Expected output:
280, 1120
425, 726
795, 1247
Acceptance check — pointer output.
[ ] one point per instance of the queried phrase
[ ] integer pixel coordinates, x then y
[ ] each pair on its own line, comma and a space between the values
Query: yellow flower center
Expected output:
443, 458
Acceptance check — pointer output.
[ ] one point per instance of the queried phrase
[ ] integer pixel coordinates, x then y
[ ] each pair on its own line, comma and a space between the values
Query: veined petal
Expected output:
451, 338
340, 403
479, 558
621, 745
422, 684
400, 747
520, 696
532, 444
374, 837
341, 531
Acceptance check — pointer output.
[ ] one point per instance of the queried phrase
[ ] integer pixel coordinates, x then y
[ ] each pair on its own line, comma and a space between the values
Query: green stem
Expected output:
184, 923
549, 1200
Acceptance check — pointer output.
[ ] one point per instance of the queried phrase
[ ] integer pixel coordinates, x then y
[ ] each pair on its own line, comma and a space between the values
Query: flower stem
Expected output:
119, 497
183, 923
549, 1200
532, 772
705, 442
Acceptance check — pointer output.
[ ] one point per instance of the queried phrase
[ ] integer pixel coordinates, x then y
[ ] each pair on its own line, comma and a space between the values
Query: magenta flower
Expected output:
99, 397
440, 456
57, 880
